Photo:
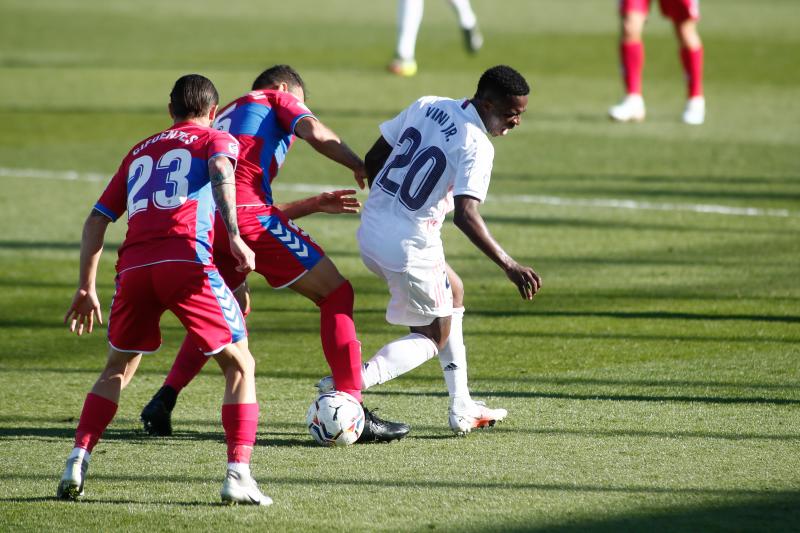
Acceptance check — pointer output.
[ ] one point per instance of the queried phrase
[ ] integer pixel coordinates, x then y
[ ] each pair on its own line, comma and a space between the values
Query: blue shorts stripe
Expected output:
228, 306
306, 255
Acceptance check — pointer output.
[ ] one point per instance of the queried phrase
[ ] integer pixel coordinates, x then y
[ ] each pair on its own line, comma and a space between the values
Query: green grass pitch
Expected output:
654, 384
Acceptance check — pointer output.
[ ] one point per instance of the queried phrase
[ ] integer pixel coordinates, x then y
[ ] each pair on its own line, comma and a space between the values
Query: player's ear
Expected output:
212, 112
283, 87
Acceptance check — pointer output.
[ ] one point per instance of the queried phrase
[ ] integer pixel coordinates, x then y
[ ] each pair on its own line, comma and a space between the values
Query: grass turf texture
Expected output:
653, 385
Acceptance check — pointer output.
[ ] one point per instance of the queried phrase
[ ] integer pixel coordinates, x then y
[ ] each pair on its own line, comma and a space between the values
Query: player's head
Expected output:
501, 98
193, 96
282, 77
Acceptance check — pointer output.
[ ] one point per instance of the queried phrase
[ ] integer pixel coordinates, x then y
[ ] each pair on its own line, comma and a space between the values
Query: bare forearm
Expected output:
300, 208
469, 220
223, 188
327, 142
473, 226
94, 230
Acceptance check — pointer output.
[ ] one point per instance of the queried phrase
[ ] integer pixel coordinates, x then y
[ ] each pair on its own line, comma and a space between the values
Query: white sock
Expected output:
80, 453
243, 469
396, 358
453, 358
409, 18
466, 16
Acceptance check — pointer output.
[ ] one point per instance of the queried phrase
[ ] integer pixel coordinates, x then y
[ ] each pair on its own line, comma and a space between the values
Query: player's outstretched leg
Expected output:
71, 485
334, 296
157, 414
240, 421
464, 414
98, 411
467, 414
379, 430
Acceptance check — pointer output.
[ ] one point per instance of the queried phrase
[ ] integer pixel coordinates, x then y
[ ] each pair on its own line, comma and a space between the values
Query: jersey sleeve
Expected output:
391, 129
474, 170
114, 201
223, 144
290, 110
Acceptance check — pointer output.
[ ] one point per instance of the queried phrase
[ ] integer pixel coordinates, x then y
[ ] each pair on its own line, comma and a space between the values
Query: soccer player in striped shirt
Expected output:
266, 121
170, 184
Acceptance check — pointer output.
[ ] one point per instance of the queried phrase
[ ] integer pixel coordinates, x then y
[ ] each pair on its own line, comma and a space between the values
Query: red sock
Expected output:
339, 341
188, 363
632, 58
96, 415
240, 421
693, 68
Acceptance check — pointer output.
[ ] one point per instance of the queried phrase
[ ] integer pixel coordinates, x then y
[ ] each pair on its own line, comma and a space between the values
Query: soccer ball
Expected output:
335, 419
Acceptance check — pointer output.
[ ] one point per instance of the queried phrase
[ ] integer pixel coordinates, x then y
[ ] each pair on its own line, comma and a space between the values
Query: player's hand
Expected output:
336, 202
81, 315
361, 176
243, 254
528, 282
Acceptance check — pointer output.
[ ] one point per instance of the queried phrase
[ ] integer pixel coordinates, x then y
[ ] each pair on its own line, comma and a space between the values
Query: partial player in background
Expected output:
169, 185
265, 122
684, 15
409, 18
431, 158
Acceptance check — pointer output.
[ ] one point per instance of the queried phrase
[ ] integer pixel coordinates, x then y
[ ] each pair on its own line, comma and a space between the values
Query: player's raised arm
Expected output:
325, 141
223, 187
469, 220
85, 304
332, 202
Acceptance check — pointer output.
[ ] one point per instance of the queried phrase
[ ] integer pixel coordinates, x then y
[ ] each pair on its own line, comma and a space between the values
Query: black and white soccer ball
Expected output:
335, 419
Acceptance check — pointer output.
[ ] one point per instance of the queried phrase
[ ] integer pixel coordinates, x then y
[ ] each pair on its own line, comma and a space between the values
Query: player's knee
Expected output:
242, 295
632, 27
687, 34
234, 359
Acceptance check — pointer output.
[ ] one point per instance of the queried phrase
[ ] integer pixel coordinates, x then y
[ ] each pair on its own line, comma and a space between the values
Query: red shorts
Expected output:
284, 252
195, 293
677, 10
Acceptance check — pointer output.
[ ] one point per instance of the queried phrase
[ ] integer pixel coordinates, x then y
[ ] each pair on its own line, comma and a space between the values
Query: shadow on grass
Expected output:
534, 381
420, 481
294, 435
606, 397
769, 512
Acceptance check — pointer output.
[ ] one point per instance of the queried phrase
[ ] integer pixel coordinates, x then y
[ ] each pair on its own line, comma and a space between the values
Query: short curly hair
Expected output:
501, 82
279, 74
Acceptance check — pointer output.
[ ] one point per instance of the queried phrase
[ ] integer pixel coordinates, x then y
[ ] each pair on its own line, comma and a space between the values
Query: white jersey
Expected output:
440, 149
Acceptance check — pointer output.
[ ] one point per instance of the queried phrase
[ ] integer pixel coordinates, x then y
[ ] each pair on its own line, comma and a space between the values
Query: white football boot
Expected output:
325, 384
71, 485
631, 109
243, 489
464, 416
695, 111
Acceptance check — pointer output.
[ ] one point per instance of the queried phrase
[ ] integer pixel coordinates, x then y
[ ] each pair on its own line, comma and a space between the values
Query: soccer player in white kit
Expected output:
431, 158
409, 19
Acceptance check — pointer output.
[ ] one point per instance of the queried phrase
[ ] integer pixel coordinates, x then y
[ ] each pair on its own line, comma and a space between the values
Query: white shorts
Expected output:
418, 295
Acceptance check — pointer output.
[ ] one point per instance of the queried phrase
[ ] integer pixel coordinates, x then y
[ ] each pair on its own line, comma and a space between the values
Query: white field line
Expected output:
71, 175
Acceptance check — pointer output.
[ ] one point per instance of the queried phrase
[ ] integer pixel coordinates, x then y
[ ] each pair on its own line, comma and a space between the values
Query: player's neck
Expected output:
197, 121
481, 113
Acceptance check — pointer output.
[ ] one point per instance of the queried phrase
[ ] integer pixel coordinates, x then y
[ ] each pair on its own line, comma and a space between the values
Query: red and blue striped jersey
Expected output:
263, 122
164, 185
